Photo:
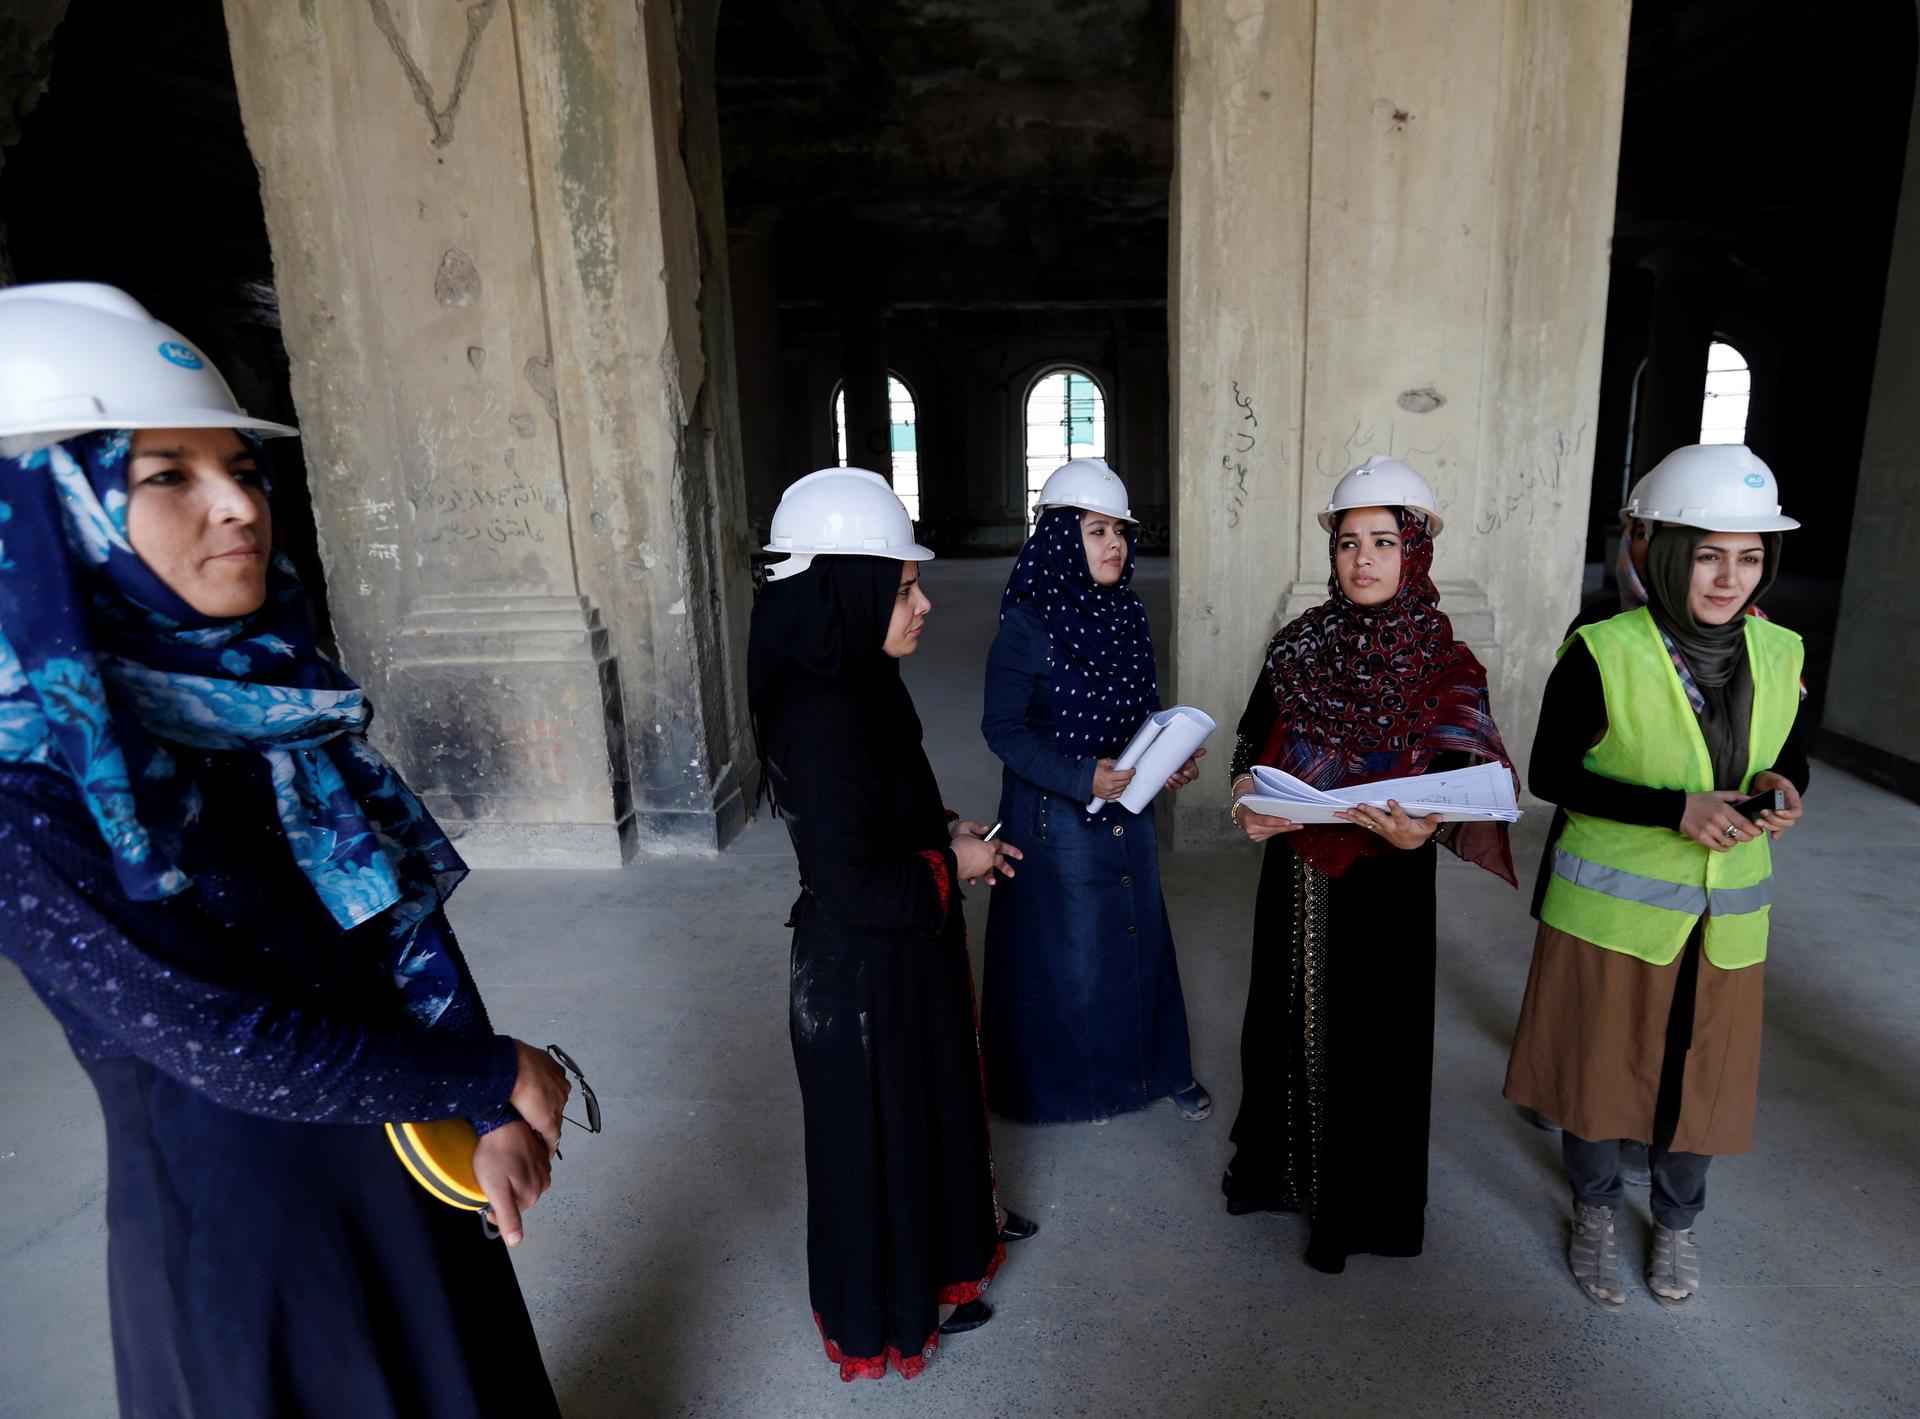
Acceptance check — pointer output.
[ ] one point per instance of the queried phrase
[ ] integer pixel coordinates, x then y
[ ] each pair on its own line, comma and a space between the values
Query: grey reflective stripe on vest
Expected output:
1629, 886
1656, 892
1735, 901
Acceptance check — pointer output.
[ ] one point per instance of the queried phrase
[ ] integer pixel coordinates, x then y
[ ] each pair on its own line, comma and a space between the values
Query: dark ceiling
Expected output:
972, 151
954, 149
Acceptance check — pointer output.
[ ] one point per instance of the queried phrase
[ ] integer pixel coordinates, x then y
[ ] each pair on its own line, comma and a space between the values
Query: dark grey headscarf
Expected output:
1716, 655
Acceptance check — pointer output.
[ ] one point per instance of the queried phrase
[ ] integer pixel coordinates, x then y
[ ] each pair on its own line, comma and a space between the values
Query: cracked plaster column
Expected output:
1391, 232
460, 463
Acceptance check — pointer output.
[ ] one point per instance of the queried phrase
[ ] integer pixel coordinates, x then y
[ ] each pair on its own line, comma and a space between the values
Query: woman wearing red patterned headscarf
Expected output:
1337, 1049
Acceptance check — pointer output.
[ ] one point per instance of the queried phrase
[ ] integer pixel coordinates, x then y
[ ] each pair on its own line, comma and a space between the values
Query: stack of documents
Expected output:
1165, 742
1481, 794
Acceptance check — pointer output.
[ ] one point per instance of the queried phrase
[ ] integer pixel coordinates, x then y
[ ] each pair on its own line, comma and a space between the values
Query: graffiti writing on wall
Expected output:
1242, 440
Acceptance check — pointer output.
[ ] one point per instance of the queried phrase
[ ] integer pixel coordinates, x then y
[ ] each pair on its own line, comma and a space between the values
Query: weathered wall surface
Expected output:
626, 179
1873, 691
1392, 222
486, 265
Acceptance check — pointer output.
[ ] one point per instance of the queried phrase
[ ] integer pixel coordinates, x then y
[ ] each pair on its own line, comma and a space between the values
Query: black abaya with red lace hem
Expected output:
900, 1207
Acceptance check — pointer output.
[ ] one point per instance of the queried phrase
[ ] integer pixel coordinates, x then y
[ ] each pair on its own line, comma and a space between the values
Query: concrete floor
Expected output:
666, 1271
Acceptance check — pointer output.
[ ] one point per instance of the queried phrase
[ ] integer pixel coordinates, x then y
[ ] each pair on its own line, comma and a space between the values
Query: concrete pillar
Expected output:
1391, 231
490, 274
1870, 724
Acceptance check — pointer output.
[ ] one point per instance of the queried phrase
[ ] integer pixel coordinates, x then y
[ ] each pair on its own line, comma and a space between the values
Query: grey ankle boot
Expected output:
1673, 1271
1593, 1255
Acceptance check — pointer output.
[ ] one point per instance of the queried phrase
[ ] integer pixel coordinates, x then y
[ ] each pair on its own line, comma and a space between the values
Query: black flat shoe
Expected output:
1017, 1228
971, 1316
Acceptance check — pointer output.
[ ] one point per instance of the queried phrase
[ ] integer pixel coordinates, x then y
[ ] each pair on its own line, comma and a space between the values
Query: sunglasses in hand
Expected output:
588, 1098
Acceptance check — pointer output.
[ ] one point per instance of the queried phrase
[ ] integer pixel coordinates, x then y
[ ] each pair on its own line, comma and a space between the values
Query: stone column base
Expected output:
493, 694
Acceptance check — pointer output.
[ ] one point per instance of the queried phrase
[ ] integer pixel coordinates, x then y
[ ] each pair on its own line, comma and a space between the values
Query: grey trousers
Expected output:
1679, 1179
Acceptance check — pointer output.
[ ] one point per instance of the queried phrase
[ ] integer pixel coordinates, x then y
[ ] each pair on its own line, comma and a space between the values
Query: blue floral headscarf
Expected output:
104, 671
1103, 675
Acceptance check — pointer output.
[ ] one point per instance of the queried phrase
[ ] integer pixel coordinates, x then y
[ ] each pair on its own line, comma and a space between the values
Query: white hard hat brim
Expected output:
1117, 514
912, 552
1772, 522
1330, 519
19, 439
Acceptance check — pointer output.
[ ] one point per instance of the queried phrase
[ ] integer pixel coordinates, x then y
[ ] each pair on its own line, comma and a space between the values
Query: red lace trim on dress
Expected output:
938, 862
874, 1367
909, 1367
962, 1292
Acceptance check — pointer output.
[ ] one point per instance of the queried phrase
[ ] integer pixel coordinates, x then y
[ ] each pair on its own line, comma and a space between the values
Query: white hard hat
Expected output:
841, 512
1086, 483
1627, 513
77, 356
1382, 482
1718, 487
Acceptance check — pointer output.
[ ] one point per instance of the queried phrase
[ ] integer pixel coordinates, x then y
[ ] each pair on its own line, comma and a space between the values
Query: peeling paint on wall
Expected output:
586, 152
457, 283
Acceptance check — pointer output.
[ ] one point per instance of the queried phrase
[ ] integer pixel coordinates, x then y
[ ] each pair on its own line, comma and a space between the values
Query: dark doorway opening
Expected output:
133, 169
966, 196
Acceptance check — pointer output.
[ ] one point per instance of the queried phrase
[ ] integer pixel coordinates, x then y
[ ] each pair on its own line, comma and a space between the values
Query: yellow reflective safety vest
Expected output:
1640, 890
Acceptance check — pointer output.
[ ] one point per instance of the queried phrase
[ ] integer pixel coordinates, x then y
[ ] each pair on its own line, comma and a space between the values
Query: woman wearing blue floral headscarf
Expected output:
233, 905
1082, 1015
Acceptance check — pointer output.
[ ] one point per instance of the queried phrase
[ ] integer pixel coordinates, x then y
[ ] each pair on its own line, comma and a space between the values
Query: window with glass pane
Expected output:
1723, 412
1066, 419
902, 437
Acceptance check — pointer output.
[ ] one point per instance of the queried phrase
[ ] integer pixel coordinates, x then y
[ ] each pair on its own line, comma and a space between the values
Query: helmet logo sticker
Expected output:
1755, 480
173, 352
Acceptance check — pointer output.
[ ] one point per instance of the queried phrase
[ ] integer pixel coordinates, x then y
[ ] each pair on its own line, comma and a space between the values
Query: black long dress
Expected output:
900, 1205
267, 1253
1336, 1052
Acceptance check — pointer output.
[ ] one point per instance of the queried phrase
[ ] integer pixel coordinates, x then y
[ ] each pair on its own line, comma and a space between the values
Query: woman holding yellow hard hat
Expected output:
233, 906
1671, 736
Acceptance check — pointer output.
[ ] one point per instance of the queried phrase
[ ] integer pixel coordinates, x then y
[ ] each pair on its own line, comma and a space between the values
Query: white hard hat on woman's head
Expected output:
848, 512
1717, 487
76, 356
1382, 481
1088, 484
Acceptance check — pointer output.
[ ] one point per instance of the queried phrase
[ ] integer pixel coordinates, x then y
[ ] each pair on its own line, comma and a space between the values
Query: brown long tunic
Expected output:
1593, 1036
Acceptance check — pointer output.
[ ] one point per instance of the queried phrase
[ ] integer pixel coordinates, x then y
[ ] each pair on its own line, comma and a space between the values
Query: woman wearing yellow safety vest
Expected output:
1642, 1012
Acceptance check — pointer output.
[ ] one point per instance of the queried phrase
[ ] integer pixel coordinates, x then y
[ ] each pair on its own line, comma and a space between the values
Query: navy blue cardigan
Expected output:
242, 987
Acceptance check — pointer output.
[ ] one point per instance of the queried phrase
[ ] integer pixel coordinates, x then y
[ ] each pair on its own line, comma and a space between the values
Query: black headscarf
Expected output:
829, 622
1716, 656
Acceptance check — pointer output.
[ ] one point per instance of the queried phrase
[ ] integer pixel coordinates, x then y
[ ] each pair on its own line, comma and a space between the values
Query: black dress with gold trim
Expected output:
1336, 1053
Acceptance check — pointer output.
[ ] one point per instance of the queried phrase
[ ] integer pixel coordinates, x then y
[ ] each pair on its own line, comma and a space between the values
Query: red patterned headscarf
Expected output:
1377, 692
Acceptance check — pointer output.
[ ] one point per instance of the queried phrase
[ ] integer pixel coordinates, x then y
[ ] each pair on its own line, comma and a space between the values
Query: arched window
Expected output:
1723, 412
1066, 418
902, 437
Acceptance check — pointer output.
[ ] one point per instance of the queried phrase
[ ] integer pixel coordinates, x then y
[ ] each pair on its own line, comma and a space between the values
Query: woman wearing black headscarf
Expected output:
902, 1223
1082, 1015
1642, 1014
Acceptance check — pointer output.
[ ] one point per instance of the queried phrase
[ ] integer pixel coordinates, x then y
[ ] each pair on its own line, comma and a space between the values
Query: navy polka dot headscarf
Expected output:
1103, 675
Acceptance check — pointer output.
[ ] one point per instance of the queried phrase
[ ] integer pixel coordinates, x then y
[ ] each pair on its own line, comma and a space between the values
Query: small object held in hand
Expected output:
1774, 800
587, 1096
993, 832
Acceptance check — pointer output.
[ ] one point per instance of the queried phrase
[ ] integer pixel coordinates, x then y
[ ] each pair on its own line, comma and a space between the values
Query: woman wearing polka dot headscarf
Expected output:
1082, 1016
